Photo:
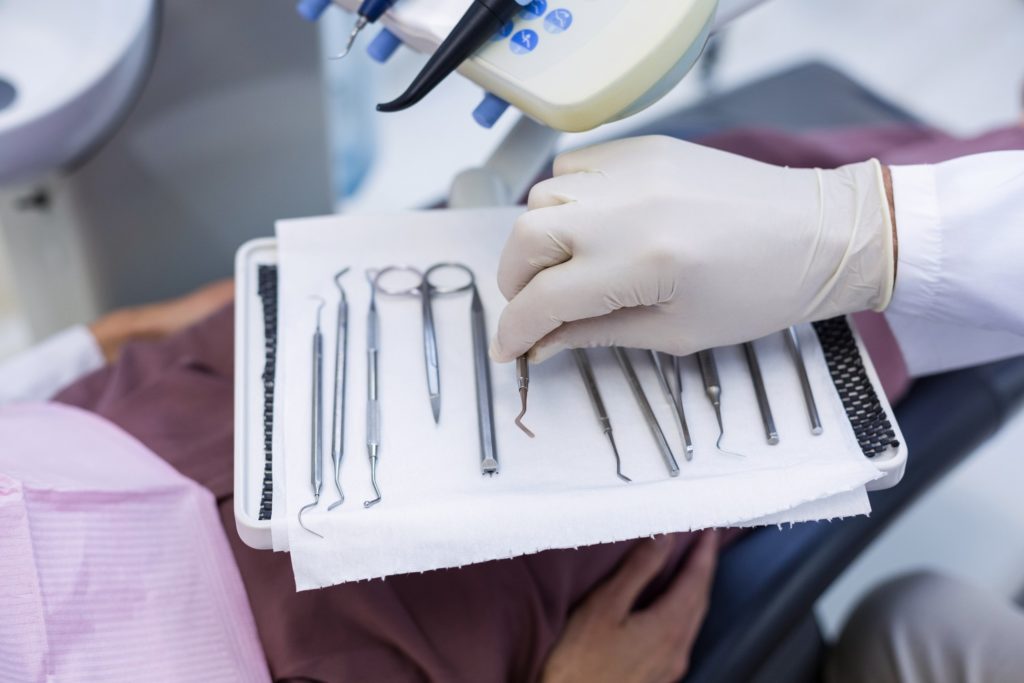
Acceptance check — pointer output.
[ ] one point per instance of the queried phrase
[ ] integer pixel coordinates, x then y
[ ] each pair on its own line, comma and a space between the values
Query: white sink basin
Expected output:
68, 71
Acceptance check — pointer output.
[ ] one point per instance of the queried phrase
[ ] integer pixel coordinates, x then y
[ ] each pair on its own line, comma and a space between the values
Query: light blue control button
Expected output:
557, 20
534, 10
503, 32
524, 41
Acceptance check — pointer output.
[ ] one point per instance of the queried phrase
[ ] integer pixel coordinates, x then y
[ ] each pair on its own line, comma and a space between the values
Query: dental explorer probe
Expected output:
757, 378
430, 354
793, 342
523, 379
645, 408
369, 11
713, 389
675, 400
340, 375
317, 441
372, 398
590, 382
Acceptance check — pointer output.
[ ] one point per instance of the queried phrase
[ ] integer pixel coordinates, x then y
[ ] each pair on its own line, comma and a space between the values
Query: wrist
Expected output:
113, 330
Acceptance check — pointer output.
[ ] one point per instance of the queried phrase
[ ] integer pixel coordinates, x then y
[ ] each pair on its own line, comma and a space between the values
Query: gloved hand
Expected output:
657, 243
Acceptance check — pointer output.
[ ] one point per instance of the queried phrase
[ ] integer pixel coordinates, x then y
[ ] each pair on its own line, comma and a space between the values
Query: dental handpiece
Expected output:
369, 11
372, 396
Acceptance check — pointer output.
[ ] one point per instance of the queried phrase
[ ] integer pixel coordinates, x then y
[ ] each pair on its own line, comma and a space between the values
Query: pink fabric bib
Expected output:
113, 566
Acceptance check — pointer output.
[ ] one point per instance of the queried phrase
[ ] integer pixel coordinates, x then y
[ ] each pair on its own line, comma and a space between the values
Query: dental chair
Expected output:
760, 626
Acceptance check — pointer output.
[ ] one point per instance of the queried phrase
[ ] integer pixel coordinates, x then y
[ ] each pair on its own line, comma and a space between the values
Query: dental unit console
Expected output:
571, 65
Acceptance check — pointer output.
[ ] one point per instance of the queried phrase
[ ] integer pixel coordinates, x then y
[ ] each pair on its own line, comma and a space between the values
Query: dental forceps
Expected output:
340, 375
770, 433
793, 342
713, 389
481, 363
590, 382
317, 441
675, 399
645, 408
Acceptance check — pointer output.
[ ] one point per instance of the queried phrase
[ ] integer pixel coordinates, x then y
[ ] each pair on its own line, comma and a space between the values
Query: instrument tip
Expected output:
522, 413
435, 407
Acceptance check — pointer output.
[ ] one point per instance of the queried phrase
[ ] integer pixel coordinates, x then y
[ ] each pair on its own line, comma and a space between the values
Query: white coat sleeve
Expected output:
39, 373
959, 296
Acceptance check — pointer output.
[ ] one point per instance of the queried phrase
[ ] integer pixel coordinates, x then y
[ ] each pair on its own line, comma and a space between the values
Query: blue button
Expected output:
383, 46
503, 32
534, 10
524, 41
557, 20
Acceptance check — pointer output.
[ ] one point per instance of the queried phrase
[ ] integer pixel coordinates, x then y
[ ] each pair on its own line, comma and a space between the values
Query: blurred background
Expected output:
176, 176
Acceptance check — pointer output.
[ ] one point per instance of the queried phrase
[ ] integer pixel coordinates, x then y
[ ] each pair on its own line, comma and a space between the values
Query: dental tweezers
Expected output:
317, 440
793, 342
675, 399
590, 382
645, 408
340, 375
372, 398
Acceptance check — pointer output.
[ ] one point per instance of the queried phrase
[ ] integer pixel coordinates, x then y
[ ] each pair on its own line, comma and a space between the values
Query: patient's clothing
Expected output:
494, 621
113, 567
927, 627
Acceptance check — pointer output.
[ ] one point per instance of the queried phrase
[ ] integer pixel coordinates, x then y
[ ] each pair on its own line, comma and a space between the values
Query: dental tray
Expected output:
832, 350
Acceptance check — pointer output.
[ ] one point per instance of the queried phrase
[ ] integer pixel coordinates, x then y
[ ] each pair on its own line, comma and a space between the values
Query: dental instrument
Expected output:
675, 400
550, 60
481, 21
430, 359
793, 342
713, 389
340, 376
771, 434
523, 380
481, 362
677, 373
372, 390
645, 408
590, 383
317, 441
369, 11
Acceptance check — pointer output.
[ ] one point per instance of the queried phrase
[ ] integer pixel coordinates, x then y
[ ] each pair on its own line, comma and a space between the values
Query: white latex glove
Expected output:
661, 244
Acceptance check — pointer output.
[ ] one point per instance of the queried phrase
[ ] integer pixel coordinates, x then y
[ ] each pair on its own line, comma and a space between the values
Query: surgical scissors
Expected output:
590, 382
426, 292
645, 408
340, 376
793, 342
674, 399
317, 441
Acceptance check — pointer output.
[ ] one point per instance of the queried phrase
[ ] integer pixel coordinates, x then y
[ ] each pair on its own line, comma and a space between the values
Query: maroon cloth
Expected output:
494, 621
